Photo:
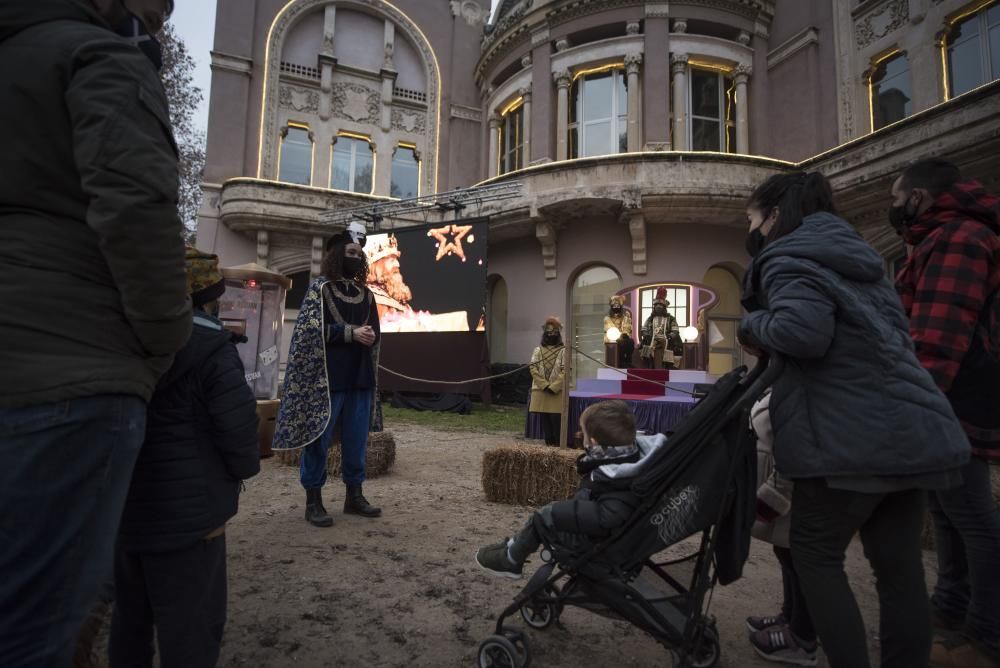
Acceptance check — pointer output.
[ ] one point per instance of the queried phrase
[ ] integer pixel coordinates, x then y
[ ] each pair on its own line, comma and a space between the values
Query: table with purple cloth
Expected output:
652, 417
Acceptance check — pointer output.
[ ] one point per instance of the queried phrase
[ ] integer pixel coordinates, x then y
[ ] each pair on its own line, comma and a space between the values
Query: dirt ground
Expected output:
403, 590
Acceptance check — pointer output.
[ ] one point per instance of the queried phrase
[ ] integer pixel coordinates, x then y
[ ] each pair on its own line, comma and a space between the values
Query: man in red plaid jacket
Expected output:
949, 288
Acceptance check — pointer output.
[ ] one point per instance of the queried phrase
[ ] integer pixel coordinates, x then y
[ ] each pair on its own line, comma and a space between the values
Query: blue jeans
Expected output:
65, 472
967, 538
351, 409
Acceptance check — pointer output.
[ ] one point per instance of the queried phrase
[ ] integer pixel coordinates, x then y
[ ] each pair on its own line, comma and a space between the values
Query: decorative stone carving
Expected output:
681, 26
562, 78
878, 24
504, 24
632, 28
387, 56
562, 44
298, 98
267, 167
525, 92
526, 61
678, 62
637, 230
545, 232
657, 11
316, 256
469, 10
263, 247
409, 121
657, 146
466, 113
632, 63
540, 37
355, 102
744, 38
742, 72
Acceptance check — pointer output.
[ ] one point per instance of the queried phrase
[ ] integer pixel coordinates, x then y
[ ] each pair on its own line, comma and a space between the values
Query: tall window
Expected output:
405, 172
511, 140
679, 307
353, 163
713, 111
973, 49
589, 297
599, 114
295, 155
890, 91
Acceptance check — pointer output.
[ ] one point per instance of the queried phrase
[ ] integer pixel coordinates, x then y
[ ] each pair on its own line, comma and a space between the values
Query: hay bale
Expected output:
529, 475
379, 461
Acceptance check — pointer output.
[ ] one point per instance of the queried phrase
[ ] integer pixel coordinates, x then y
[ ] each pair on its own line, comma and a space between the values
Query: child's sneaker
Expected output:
780, 645
493, 559
762, 623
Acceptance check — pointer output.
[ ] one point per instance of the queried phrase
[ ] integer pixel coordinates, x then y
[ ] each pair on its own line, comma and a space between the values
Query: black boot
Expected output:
315, 512
357, 504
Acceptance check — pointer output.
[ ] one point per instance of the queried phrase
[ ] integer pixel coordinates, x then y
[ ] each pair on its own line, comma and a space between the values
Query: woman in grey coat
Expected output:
858, 424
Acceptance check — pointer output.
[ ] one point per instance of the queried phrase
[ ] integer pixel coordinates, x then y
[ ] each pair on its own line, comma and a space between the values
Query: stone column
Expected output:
316, 256
741, 75
388, 74
542, 123
656, 78
632, 63
494, 145
263, 248
562, 78
679, 68
525, 94
327, 62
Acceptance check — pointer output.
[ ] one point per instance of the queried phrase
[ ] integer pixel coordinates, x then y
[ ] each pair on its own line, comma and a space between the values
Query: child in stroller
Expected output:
604, 502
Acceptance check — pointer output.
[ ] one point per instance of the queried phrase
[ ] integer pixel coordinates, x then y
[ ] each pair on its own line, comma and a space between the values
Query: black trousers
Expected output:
794, 606
626, 346
182, 594
551, 427
824, 521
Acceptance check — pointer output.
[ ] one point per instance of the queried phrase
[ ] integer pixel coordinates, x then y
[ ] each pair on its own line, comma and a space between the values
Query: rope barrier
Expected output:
665, 386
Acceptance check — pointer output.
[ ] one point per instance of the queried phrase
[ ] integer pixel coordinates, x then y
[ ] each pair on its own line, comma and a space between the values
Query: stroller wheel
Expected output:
708, 652
540, 614
501, 652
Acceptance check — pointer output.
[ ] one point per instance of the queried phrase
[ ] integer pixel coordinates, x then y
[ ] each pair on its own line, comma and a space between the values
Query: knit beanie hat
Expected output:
204, 280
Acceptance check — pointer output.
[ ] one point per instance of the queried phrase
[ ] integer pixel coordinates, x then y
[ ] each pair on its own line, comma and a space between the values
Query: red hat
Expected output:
661, 297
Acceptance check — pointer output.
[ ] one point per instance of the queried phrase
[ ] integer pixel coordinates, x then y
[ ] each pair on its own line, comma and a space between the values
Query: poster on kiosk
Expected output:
253, 306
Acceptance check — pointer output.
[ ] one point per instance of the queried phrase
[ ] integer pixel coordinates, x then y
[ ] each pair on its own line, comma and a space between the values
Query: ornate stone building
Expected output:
637, 130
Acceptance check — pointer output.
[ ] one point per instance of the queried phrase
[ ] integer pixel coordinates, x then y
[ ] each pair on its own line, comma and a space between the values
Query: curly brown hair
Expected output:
332, 265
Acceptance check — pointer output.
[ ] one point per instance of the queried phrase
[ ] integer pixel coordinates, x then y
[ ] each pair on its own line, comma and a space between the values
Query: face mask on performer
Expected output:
551, 337
659, 310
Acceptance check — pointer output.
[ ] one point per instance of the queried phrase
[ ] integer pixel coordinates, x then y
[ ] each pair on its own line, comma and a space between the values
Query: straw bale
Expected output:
529, 475
380, 459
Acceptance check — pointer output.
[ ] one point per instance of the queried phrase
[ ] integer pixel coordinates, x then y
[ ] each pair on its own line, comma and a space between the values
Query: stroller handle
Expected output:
759, 379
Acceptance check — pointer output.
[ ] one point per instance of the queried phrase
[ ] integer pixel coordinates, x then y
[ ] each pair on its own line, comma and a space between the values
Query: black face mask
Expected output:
550, 339
616, 309
900, 218
755, 242
353, 266
133, 30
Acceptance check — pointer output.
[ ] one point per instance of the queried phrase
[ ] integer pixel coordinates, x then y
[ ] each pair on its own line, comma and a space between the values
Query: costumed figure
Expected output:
385, 280
330, 379
661, 337
620, 318
548, 375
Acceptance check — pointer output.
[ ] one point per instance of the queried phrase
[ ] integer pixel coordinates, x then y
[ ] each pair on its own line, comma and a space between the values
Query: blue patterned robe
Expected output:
305, 404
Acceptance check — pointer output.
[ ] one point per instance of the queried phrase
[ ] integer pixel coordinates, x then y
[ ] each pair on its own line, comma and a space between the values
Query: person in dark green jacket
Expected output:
859, 424
93, 302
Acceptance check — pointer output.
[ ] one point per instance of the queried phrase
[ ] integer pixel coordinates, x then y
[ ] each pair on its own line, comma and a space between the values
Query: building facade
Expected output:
636, 130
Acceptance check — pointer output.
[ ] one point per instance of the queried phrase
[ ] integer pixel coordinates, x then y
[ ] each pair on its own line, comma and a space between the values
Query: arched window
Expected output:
679, 297
890, 93
590, 294
973, 51
295, 154
598, 122
496, 320
405, 172
712, 111
724, 352
352, 163
511, 156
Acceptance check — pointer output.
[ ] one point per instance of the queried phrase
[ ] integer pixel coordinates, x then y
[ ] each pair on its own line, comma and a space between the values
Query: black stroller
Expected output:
703, 480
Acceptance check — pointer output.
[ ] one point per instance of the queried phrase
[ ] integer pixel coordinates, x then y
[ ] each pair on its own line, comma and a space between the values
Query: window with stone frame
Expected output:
405, 172
352, 163
677, 295
890, 91
973, 50
712, 111
598, 122
511, 140
295, 154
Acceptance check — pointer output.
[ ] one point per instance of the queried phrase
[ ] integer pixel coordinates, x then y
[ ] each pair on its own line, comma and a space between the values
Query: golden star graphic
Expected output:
454, 245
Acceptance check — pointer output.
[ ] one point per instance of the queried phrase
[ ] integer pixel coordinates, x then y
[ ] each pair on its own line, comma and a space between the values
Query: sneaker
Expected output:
780, 645
762, 623
493, 559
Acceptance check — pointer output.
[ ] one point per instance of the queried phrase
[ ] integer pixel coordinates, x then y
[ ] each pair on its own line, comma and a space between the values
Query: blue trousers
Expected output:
350, 409
65, 475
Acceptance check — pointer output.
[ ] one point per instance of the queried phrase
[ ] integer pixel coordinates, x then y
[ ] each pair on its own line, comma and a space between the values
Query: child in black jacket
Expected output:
201, 442
604, 501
